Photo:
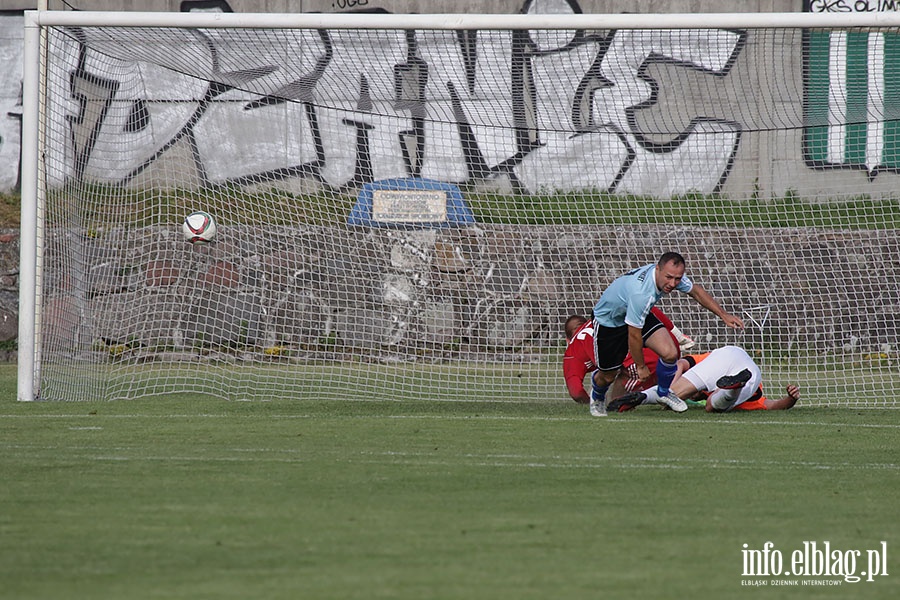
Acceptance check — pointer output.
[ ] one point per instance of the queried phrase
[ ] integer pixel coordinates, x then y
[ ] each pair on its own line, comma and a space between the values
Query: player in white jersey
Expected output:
728, 374
621, 325
728, 377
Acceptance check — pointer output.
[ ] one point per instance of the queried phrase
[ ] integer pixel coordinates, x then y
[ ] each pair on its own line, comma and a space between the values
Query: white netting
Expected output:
768, 157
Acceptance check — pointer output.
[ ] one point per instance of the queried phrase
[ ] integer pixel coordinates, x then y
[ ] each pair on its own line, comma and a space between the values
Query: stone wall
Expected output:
9, 293
457, 293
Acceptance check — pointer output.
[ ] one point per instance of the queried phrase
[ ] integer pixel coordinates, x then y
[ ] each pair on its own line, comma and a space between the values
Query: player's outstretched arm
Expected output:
581, 397
703, 298
636, 349
681, 366
575, 386
793, 394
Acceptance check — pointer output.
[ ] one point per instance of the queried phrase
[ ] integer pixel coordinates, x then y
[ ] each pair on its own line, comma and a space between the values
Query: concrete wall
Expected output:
742, 162
11, 24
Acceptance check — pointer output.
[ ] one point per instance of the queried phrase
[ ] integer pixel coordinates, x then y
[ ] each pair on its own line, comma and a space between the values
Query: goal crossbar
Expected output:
460, 21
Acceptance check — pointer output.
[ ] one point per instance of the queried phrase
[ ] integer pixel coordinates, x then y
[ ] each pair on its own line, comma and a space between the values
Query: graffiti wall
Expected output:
627, 112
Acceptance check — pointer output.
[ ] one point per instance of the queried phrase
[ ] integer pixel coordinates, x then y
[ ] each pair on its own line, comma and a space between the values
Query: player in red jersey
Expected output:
578, 359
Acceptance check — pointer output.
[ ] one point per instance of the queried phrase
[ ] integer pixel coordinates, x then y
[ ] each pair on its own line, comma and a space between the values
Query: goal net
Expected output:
410, 206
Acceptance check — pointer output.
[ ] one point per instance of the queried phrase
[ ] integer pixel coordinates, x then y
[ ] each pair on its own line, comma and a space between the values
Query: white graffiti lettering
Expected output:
564, 111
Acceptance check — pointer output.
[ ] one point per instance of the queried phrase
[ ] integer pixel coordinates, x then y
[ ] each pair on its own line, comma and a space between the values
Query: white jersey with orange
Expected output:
727, 360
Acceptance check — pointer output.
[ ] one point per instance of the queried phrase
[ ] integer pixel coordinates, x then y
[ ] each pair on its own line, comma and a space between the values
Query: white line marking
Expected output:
530, 461
706, 421
650, 461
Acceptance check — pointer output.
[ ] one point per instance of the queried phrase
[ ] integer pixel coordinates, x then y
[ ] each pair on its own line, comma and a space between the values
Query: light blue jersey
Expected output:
628, 299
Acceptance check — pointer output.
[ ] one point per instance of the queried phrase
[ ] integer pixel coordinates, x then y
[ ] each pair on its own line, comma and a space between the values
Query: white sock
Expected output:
723, 399
652, 396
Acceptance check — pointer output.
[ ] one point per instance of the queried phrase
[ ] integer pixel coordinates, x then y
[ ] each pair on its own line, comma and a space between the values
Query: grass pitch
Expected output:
194, 497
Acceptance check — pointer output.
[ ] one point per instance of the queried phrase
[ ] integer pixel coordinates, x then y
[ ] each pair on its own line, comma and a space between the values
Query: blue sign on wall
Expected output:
410, 203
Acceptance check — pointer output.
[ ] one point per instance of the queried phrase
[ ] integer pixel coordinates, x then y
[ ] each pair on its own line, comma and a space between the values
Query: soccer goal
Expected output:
409, 206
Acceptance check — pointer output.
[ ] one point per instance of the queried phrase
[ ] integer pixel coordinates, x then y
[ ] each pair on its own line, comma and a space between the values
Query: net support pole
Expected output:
27, 372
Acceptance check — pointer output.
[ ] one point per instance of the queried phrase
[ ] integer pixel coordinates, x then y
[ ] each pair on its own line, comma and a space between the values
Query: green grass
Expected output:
193, 497
9, 209
694, 209
103, 206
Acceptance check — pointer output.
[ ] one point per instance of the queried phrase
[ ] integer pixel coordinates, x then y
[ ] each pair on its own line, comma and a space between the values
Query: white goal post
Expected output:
409, 206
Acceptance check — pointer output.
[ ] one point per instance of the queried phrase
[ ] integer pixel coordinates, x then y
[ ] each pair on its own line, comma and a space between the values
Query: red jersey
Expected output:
578, 360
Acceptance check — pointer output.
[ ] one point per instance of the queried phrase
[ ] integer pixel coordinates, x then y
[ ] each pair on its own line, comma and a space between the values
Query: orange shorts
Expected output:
758, 404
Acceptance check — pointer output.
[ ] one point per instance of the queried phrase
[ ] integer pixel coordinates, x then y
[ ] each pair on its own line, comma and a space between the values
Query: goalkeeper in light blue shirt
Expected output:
623, 323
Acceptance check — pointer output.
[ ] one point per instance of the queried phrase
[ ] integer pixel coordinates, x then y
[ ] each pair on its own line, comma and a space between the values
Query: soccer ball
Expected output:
199, 227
